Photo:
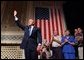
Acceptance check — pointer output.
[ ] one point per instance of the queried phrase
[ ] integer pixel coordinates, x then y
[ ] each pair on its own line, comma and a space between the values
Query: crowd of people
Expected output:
59, 47
64, 47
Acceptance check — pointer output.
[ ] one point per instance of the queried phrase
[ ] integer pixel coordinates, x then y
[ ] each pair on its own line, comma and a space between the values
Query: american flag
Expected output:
49, 20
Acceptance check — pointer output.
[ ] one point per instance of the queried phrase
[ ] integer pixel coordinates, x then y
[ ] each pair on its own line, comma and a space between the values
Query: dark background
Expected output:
73, 11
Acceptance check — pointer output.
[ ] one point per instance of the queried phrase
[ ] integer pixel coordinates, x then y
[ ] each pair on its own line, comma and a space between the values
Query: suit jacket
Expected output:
30, 41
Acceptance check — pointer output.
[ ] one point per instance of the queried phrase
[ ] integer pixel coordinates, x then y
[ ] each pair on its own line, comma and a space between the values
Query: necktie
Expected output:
29, 30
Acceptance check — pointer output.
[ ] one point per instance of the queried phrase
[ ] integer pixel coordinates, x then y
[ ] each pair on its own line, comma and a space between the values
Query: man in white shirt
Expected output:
56, 46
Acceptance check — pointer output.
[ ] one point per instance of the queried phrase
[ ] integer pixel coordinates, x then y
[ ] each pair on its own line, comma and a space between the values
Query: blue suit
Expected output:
68, 49
30, 42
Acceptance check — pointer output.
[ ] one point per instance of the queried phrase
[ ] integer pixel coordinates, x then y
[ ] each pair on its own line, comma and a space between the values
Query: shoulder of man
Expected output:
72, 37
38, 28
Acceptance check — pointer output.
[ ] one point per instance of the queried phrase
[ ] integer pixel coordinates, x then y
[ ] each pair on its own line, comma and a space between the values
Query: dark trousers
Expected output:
76, 50
57, 53
31, 54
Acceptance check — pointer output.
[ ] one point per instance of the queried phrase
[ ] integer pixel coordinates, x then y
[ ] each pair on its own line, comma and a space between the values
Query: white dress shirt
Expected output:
31, 30
54, 43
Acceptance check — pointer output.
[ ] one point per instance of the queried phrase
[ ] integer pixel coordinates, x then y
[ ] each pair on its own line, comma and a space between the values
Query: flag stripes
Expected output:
53, 23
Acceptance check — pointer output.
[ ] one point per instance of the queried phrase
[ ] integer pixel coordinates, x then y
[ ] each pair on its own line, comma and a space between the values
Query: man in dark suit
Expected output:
32, 39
